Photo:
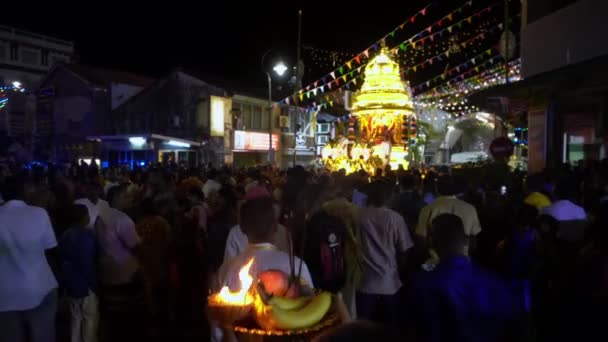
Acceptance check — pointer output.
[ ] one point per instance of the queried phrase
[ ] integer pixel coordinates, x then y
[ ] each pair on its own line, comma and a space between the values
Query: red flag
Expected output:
439, 23
358, 59
413, 19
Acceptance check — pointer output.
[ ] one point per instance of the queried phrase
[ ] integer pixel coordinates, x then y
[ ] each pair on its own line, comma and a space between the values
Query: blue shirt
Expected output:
459, 301
25, 275
78, 250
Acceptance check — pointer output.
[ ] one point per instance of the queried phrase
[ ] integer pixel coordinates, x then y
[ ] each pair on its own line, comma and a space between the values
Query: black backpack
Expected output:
324, 252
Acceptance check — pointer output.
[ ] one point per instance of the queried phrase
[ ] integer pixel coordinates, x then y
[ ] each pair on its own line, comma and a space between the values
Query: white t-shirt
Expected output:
237, 241
565, 210
116, 235
94, 209
25, 275
266, 257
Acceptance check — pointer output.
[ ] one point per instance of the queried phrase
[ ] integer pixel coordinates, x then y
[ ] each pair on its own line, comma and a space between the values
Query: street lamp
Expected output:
279, 69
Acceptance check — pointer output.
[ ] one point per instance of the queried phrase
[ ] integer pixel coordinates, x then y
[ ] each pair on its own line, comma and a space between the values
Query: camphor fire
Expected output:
241, 297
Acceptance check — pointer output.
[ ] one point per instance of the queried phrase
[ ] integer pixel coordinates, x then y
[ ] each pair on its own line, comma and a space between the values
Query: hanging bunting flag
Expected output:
349, 65
431, 61
308, 95
329, 85
344, 78
316, 82
402, 46
308, 87
287, 101
450, 17
470, 19
476, 69
314, 91
432, 37
447, 53
401, 26
440, 23
358, 59
443, 76
489, 52
321, 88
428, 83
423, 11
301, 97
348, 86
450, 29
333, 75
341, 70
413, 45
429, 29
337, 81
414, 68
366, 53
392, 34
413, 19
354, 81
331, 103
458, 69
473, 60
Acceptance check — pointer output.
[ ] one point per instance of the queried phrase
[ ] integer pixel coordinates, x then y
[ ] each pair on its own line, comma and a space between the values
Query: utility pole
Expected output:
298, 79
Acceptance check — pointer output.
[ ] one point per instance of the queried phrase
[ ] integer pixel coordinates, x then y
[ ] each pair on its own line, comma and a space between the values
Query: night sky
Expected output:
224, 39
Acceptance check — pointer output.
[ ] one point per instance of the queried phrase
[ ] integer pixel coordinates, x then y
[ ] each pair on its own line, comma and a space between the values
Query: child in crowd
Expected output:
78, 250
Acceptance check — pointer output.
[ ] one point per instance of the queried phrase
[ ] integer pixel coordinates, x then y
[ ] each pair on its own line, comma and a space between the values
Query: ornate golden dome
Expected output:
382, 92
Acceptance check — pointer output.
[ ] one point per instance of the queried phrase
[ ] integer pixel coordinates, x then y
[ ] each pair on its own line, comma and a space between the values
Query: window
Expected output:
57, 59
246, 113
30, 57
323, 128
264, 125
257, 117
322, 139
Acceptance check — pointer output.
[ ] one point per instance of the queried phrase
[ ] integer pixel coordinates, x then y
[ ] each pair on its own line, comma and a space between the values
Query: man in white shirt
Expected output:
28, 288
384, 235
259, 223
447, 203
571, 218
91, 200
118, 240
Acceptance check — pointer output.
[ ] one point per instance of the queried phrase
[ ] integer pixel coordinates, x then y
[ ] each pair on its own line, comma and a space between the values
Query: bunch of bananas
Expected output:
292, 314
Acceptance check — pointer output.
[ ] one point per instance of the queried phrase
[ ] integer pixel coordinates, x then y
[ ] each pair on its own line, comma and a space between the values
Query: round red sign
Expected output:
501, 148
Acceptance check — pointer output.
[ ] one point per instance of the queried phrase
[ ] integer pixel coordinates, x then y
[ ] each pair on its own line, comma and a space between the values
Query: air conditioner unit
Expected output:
284, 121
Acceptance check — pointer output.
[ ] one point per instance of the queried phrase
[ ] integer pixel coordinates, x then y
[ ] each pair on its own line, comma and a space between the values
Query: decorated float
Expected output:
382, 127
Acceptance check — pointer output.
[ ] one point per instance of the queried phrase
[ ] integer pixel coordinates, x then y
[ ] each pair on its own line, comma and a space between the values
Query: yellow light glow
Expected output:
217, 116
398, 154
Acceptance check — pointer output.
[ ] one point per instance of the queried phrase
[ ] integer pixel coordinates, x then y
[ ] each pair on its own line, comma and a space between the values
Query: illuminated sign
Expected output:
254, 141
218, 108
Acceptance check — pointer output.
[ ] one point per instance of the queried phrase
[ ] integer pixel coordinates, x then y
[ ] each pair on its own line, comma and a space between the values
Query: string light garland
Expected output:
342, 73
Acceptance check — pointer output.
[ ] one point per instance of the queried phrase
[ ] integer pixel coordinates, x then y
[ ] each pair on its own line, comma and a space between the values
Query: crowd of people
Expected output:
417, 255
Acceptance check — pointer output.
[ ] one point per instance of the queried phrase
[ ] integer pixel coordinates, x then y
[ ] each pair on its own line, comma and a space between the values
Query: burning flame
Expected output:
241, 297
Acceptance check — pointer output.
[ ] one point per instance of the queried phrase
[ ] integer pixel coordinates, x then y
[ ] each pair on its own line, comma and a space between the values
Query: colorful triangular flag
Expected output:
469, 20
423, 11
349, 64
429, 29
450, 17
358, 59
341, 70
450, 29
316, 82
366, 53
333, 75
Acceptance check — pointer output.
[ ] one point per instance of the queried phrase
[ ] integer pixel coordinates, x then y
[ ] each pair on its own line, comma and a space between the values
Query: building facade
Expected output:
25, 58
76, 101
563, 98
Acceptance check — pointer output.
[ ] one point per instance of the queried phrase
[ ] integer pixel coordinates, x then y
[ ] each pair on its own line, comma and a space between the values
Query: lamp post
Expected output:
279, 69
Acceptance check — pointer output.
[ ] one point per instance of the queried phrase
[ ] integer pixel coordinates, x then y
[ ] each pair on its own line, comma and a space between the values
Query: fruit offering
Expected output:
289, 311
